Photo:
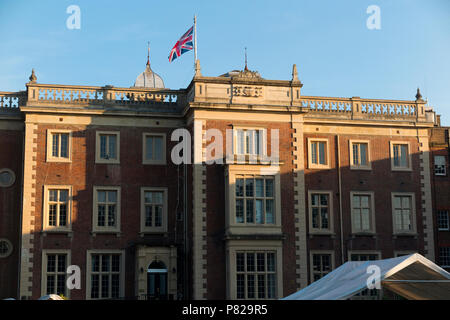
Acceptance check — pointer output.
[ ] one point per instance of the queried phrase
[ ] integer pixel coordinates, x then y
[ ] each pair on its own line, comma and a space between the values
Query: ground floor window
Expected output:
105, 275
55, 273
444, 257
256, 275
321, 265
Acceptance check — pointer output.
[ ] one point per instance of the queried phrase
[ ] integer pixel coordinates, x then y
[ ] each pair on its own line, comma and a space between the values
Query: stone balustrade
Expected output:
11, 101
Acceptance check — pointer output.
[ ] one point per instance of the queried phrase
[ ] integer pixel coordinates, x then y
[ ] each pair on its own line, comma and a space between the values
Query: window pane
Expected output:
239, 187
64, 145
101, 196
249, 211
322, 154
259, 211
364, 201
271, 286
52, 215
250, 286
314, 152
112, 146
51, 263
315, 217
61, 284
115, 263
157, 197
95, 263
158, 216
103, 153
105, 286
405, 202
158, 148
101, 215
269, 212
53, 195
105, 263
112, 196
240, 262
250, 262
95, 286
50, 284
111, 215
404, 155
364, 158
239, 211
261, 286
355, 154
260, 259
63, 194
240, 141
55, 145
269, 187
259, 187
62, 214
271, 262
240, 286
324, 200
324, 218
249, 187
149, 148
148, 216
148, 197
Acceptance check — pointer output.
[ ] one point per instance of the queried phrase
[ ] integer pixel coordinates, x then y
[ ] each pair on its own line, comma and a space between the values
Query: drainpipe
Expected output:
340, 196
186, 244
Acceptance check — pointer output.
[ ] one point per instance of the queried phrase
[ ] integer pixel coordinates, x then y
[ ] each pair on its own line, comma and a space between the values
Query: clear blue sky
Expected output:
336, 54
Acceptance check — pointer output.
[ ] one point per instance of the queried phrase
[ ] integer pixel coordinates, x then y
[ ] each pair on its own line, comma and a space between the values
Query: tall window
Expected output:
153, 210
249, 141
321, 265
362, 212
105, 270
443, 220
256, 275
403, 213
108, 147
318, 153
400, 156
106, 209
154, 148
58, 145
57, 207
366, 293
444, 257
439, 166
57, 215
320, 211
255, 200
55, 266
359, 155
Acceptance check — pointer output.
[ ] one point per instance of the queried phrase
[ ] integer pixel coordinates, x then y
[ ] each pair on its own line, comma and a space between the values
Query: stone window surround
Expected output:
45, 226
351, 142
330, 212
230, 203
328, 160
89, 254
106, 229
97, 147
391, 148
163, 228
413, 213
234, 246
163, 161
320, 252
45, 252
256, 128
50, 157
372, 212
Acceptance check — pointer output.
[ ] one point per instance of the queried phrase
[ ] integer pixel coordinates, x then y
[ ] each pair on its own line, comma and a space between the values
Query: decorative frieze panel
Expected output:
247, 91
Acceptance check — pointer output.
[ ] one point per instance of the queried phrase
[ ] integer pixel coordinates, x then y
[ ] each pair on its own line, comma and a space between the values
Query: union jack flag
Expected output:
183, 45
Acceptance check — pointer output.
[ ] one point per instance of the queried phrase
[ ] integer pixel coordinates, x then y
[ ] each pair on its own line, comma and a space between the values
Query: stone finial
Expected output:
198, 72
294, 73
418, 95
33, 77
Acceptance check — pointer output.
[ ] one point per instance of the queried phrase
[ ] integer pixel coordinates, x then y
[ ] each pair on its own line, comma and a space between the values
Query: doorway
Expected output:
157, 281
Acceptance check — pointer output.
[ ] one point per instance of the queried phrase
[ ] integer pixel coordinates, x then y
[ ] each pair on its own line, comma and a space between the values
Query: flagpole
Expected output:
195, 39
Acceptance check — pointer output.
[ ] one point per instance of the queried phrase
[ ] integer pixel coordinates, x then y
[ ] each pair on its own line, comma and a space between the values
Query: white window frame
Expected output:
144, 148
50, 157
330, 229
413, 213
98, 159
263, 141
163, 228
236, 246
444, 165
353, 166
312, 165
398, 168
46, 227
89, 254
438, 212
105, 229
46, 252
371, 194
311, 262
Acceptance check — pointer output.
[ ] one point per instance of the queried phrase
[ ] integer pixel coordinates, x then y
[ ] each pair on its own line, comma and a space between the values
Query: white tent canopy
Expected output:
412, 276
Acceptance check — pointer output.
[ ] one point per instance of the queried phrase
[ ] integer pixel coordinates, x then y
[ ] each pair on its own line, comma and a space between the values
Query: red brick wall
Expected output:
11, 154
82, 174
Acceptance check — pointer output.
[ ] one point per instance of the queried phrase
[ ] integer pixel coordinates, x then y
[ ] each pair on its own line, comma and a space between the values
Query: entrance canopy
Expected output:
413, 277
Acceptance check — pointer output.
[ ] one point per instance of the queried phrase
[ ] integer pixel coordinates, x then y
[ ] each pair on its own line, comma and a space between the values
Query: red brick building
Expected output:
277, 188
